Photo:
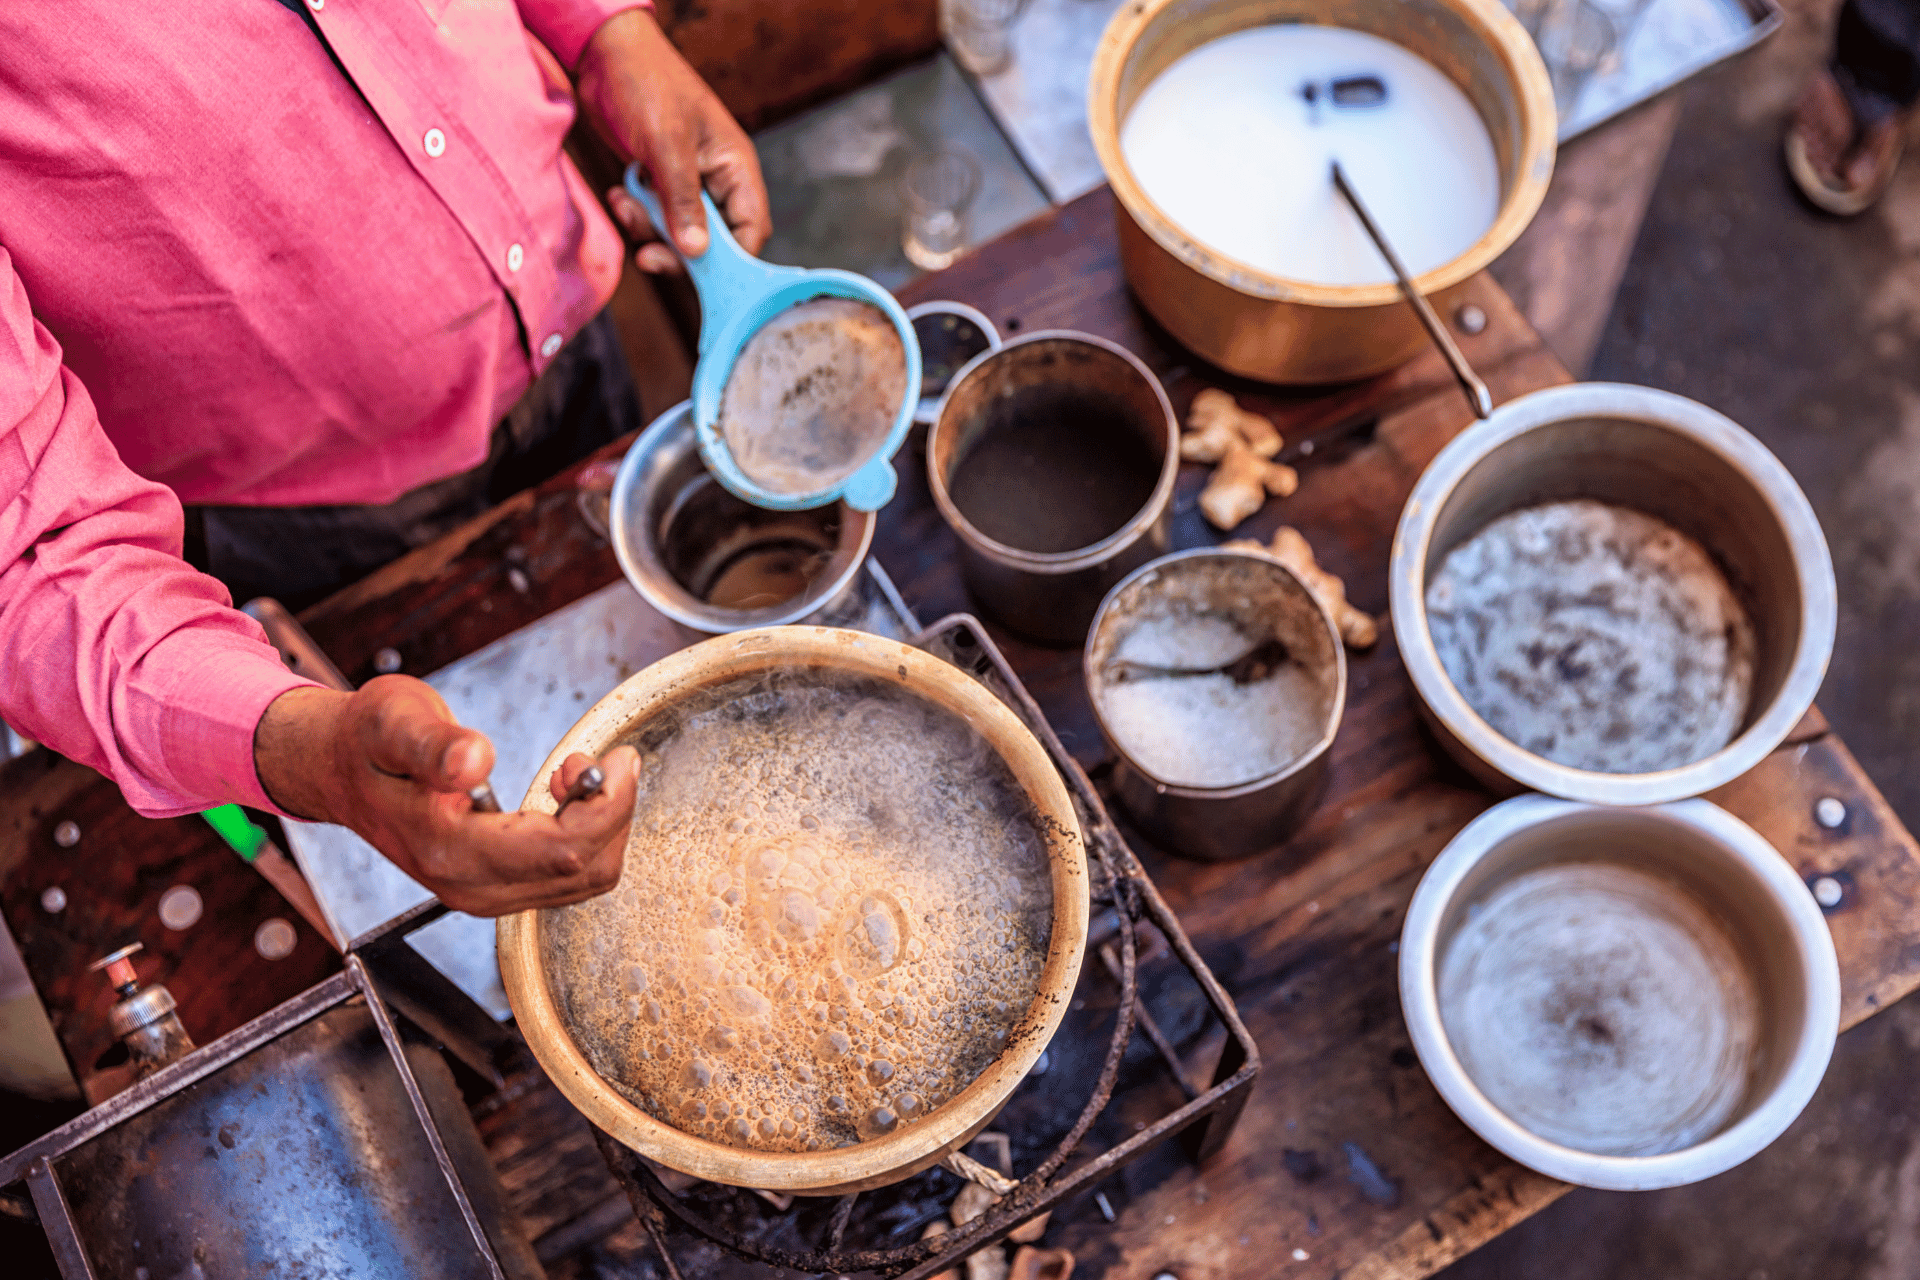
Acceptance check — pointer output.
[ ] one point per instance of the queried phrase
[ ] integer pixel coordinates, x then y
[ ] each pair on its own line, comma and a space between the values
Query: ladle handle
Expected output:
727, 277
1476, 391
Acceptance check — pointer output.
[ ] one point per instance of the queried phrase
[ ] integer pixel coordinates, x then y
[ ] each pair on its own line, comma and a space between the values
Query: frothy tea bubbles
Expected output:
834, 913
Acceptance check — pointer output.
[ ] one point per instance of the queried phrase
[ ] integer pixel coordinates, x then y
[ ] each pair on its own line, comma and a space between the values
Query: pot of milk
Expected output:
851, 916
1218, 123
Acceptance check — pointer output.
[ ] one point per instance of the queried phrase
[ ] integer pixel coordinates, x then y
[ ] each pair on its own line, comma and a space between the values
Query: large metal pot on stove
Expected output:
651, 708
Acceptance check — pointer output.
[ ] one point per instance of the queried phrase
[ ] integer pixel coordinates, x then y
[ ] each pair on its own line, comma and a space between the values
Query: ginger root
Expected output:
1215, 424
1240, 485
1290, 548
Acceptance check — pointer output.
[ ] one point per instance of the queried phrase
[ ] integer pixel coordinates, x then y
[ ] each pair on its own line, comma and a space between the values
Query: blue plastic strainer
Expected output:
738, 294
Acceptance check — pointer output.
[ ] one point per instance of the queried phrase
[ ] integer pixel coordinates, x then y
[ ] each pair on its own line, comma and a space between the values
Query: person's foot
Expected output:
1840, 166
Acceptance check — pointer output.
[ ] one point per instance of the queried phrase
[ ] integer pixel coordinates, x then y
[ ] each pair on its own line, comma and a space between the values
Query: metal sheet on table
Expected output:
1040, 99
524, 691
1661, 43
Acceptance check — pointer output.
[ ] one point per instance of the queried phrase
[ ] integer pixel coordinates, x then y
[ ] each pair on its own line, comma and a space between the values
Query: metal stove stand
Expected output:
1122, 893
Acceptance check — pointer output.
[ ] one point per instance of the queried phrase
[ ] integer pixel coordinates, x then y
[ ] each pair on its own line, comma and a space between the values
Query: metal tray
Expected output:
1662, 43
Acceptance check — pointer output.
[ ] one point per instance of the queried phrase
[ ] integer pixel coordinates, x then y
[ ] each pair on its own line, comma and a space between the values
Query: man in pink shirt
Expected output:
320, 270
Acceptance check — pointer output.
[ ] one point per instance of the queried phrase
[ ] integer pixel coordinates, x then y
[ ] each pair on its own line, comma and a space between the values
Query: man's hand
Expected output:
390, 763
652, 107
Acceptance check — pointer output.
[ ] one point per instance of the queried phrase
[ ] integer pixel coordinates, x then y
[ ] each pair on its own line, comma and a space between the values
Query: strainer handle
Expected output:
728, 279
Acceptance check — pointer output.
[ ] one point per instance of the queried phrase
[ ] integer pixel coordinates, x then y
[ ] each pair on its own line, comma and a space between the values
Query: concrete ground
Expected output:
1807, 331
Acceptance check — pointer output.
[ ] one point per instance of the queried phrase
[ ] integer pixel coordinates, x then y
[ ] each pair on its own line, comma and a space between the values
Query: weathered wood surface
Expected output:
1304, 937
113, 879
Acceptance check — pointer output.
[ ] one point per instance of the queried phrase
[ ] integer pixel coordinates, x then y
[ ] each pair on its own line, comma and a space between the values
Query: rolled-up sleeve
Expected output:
113, 651
565, 26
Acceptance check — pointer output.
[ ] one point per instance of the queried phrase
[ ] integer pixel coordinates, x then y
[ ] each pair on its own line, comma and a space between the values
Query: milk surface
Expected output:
1228, 147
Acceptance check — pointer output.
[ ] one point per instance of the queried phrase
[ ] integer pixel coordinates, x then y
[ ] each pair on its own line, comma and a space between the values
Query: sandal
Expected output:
1839, 166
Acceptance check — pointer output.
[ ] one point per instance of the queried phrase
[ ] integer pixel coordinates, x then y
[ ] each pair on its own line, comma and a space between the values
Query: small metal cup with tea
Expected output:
715, 563
1218, 679
1053, 460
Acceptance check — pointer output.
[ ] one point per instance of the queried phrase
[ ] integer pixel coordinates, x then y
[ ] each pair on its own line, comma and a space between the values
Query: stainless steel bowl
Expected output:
677, 533
1260, 595
1586, 1006
1052, 596
1668, 457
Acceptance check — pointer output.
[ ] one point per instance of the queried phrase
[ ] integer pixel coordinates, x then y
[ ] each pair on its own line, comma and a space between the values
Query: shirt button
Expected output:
551, 345
515, 256
435, 143
316, 5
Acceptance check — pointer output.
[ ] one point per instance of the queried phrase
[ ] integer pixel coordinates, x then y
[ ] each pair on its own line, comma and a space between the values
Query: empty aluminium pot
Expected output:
1651, 452
645, 710
1263, 600
1053, 459
1269, 327
715, 562
1621, 998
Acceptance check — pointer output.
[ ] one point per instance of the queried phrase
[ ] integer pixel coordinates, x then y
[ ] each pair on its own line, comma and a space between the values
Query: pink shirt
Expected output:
228, 276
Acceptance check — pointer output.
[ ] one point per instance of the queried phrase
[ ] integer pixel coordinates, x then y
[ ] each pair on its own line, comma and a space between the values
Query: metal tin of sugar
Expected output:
1208, 768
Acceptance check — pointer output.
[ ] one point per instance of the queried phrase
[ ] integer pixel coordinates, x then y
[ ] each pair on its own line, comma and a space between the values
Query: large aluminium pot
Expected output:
1279, 330
651, 698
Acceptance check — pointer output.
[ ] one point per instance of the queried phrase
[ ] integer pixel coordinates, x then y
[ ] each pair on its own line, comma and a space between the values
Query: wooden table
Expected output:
1303, 937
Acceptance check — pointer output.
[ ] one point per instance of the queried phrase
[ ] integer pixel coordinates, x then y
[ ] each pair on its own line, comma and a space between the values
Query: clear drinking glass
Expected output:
937, 189
1575, 38
980, 33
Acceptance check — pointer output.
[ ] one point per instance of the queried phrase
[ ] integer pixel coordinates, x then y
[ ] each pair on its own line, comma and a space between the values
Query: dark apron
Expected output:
299, 555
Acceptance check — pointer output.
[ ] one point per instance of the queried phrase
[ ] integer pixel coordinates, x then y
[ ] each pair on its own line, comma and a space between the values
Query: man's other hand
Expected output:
654, 108
390, 763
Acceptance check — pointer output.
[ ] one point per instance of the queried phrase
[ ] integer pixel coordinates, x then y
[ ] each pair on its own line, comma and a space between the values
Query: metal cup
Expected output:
679, 535
1264, 598
1052, 596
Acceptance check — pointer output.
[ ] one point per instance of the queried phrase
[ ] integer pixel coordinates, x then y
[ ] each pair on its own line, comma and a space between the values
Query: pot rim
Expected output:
1532, 168
1714, 431
912, 1147
1058, 562
640, 561
1818, 967
1320, 746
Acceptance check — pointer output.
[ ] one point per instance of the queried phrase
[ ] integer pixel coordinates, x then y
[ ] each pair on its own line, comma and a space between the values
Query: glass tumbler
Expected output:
937, 189
1575, 38
980, 33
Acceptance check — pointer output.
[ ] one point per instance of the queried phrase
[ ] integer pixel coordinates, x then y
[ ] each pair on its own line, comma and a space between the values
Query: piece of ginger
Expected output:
1216, 423
1290, 548
1240, 485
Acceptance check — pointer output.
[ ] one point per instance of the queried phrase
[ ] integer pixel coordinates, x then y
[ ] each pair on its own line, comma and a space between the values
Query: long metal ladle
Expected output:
1470, 383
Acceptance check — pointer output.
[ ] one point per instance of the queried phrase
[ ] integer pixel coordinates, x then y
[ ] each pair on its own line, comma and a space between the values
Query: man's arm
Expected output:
116, 653
112, 650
